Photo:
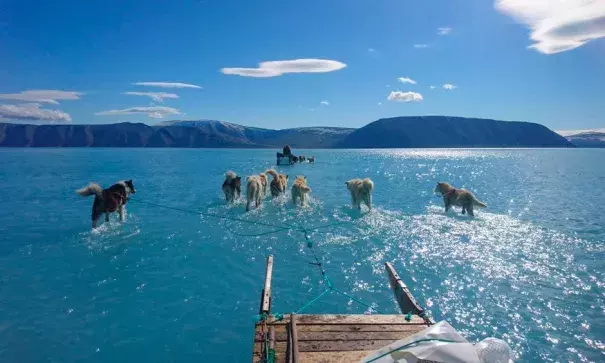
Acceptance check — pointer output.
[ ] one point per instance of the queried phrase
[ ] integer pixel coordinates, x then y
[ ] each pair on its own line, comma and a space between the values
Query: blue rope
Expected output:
277, 229
312, 301
211, 215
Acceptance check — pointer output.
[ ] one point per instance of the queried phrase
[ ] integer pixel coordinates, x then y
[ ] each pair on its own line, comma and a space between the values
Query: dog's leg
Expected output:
294, 198
247, 205
121, 211
106, 216
95, 222
469, 208
463, 209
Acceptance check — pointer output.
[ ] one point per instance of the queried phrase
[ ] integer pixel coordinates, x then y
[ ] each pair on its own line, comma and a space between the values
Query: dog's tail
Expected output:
368, 184
479, 203
230, 175
90, 189
272, 172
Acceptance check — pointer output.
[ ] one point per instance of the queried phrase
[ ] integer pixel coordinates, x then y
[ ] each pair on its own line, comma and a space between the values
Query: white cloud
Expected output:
156, 96
444, 31
449, 86
33, 112
406, 80
371, 50
432, 87
379, 103
278, 68
43, 96
325, 103
166, 84
558, 26
421, 46
153, 111
399, 96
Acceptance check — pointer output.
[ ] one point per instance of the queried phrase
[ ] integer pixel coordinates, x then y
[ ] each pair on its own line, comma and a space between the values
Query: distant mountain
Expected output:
443, 131
398, 132
588, 139
185, 134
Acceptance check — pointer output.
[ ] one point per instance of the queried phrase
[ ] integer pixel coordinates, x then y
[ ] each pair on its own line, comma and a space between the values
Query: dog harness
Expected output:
113, 200
450, 193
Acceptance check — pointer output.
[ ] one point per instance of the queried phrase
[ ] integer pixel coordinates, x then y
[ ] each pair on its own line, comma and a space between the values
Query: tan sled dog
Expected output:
300, 190
361, 191
458, 197
278, 184
263, 182
254, 191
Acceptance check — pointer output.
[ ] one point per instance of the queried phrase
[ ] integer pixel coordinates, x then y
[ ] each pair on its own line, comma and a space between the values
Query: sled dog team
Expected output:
114, 198
360, 189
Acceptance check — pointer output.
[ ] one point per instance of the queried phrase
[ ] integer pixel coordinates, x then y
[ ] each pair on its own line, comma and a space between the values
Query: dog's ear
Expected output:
238, 178
346, 183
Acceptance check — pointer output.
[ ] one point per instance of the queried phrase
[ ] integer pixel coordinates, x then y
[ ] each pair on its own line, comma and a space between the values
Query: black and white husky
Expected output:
108, 200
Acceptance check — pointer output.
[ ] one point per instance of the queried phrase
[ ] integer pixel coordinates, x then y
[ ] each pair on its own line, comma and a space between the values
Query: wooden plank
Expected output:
350, 328
271, 339
359, 319
294, 334
404, 297
288, 342
265, 304
333, 357
331, 346
327, 336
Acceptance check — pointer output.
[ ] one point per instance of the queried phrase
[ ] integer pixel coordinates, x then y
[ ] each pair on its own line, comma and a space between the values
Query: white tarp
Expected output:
441, 343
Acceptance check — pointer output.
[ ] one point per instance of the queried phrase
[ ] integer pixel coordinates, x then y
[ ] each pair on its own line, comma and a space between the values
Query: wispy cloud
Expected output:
406, 80
371, 50
325, 103
399, 96
32, 112
278, 68
432, 87
156, 96
449, 86
421, 46
42, 96
558, 26
379, 103
444, 31
152, 111
166, 84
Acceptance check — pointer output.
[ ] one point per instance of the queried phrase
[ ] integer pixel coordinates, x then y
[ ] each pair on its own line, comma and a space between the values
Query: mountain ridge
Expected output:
396, 132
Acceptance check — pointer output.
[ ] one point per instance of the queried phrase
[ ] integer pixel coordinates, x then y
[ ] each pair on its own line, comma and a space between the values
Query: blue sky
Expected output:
504, 59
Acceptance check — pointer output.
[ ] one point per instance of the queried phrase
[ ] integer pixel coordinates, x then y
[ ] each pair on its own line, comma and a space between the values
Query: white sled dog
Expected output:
361, 191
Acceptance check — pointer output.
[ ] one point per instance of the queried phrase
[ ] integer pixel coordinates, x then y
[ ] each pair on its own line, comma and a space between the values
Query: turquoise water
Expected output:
170, 286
